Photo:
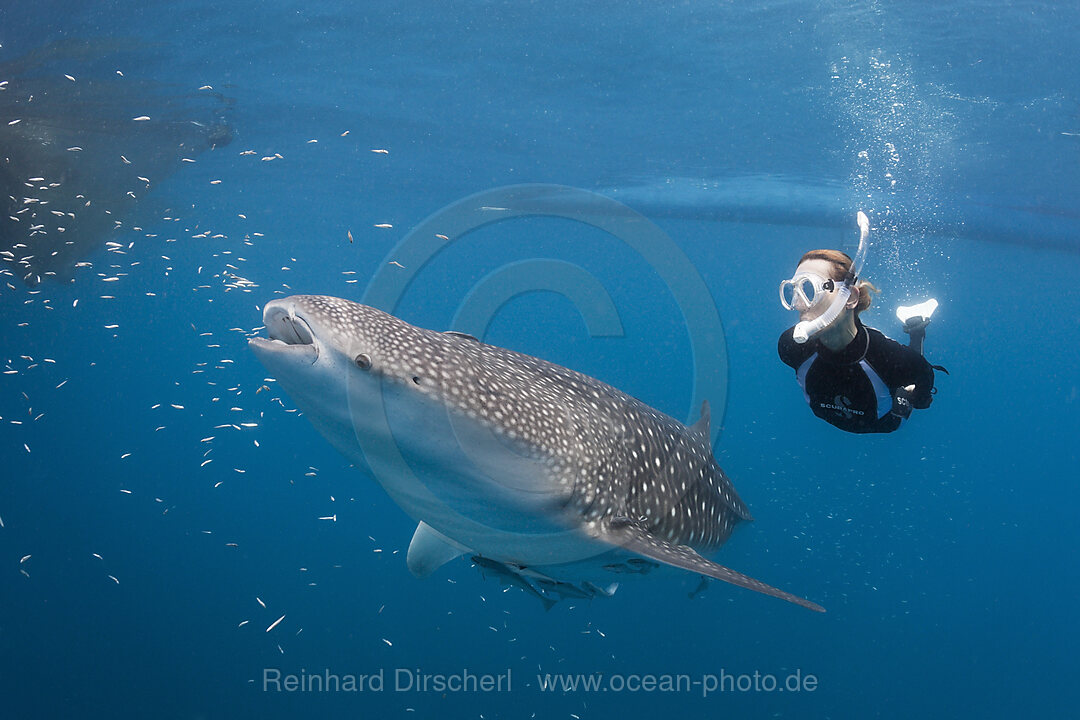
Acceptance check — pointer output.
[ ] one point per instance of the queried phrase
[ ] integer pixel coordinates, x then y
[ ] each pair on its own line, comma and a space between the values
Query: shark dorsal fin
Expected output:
455, 333
702, 425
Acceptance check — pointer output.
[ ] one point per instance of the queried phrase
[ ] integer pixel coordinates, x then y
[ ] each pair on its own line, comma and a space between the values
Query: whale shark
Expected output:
526, 466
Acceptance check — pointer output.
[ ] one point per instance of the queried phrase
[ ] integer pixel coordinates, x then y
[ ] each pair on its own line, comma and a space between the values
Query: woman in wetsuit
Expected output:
852, 376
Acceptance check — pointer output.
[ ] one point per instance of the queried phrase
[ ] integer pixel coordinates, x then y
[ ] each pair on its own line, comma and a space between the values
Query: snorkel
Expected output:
808, 329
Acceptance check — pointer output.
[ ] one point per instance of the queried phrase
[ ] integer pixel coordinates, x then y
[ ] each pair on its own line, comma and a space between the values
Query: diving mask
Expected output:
812, 289
804, 291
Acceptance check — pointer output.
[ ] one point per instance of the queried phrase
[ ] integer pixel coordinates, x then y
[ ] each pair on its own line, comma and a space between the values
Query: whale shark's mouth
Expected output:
287, 333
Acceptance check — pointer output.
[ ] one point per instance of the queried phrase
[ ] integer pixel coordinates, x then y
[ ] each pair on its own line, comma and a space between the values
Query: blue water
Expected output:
943, 552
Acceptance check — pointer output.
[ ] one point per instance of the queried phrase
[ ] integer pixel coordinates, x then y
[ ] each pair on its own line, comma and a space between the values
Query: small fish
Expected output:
507, 575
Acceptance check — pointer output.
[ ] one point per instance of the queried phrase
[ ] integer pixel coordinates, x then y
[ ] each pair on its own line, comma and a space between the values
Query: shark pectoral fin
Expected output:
430, 550
632, 537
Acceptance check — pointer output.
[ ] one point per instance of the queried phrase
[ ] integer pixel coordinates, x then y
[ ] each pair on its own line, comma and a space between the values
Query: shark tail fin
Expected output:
631, 536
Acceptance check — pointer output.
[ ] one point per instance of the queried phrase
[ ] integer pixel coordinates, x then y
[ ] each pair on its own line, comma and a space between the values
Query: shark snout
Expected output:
287, 332
284, 323
293, 330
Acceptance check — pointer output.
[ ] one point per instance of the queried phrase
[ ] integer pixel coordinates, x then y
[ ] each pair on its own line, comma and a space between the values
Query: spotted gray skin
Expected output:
578, 469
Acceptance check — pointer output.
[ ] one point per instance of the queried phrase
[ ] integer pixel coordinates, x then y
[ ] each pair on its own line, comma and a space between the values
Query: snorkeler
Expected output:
853, 376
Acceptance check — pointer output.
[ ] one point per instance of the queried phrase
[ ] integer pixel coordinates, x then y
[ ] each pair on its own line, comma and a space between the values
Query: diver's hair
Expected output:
841, 266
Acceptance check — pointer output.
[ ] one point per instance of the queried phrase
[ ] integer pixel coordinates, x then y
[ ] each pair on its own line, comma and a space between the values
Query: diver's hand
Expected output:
901, 406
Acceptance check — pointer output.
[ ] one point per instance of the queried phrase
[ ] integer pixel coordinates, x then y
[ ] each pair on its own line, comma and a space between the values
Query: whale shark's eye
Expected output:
363, 361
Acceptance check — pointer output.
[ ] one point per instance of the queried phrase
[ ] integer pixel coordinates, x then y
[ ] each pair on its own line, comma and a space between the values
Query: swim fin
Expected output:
912, 313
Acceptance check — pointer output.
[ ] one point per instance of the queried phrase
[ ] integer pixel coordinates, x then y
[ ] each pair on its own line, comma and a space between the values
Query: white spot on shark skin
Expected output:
508, 457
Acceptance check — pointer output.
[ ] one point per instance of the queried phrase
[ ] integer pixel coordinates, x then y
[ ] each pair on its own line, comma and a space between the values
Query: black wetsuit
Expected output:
861, 388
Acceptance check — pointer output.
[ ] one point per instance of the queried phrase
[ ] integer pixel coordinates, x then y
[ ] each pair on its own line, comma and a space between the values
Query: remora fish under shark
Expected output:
551, 473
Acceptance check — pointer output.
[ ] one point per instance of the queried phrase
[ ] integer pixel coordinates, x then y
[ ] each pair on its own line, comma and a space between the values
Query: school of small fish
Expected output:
192, 271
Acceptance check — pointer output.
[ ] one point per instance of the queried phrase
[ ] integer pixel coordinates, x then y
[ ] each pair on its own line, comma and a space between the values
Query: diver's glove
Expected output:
901, 406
